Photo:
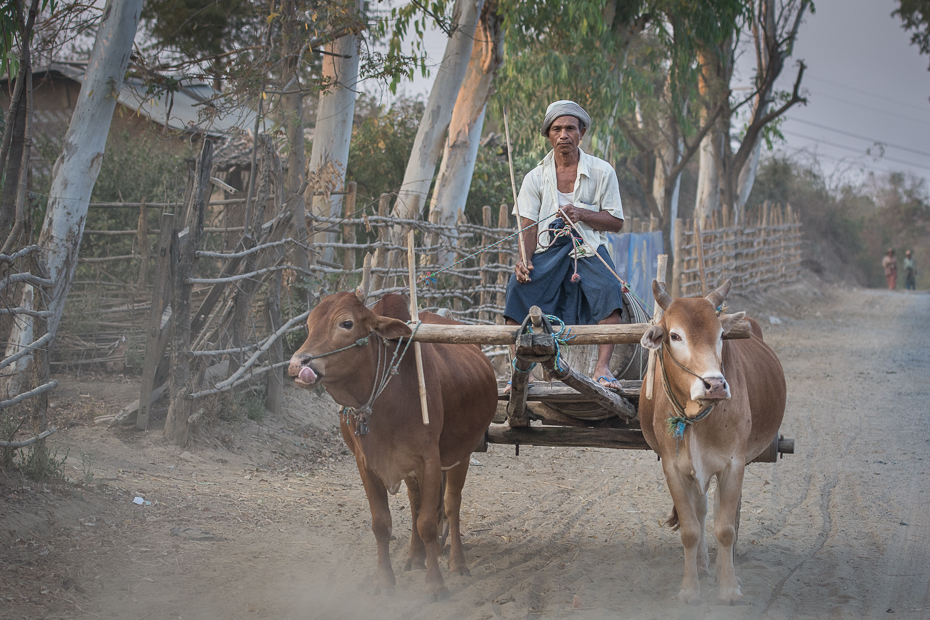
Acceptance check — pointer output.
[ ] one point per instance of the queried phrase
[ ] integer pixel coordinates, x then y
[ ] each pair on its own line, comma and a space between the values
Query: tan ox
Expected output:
717, 404
352, 351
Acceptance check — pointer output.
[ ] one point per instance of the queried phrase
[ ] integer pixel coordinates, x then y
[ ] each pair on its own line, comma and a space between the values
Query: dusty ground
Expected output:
839, 530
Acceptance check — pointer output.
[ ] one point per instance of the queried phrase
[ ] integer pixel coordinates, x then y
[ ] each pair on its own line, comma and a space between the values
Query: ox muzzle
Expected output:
710, 389
302, 371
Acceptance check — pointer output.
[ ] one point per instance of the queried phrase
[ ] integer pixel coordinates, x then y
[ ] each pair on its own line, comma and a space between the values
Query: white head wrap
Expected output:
564, 108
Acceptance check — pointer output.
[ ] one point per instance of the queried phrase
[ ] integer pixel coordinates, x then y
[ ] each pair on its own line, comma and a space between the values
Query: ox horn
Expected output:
718, 296
362, 290
662, 298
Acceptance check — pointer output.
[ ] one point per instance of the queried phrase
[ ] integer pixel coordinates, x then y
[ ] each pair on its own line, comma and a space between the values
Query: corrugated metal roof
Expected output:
187, 109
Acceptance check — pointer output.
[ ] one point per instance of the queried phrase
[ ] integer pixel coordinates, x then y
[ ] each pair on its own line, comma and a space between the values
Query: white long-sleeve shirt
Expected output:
596, 188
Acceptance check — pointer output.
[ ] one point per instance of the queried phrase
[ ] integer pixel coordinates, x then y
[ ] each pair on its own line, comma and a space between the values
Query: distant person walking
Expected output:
910, 272
890, 263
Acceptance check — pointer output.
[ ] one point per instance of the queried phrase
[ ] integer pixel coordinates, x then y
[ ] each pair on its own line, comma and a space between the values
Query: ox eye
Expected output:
346, 325
675, 337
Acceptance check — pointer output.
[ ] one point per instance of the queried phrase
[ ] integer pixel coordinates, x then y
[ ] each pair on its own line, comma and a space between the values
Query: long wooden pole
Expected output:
513, 186
415, 316
656, 315
623, 333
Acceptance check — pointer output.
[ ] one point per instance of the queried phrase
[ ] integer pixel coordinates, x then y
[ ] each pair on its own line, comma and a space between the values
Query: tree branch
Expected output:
752, 132
691, 149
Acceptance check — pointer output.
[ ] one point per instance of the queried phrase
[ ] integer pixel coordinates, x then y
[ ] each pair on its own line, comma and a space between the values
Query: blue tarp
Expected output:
635, 256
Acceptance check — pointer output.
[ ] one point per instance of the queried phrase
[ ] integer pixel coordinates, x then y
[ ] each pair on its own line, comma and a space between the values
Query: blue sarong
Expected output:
551, 288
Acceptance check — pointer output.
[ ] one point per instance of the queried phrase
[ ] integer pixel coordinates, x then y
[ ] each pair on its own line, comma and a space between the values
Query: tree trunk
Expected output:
461, 150
438, 113
330, 153
292, 108
708, 186
710, 87
77, 167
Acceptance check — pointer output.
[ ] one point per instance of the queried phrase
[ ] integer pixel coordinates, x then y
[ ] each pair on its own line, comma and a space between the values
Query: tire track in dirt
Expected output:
826, 494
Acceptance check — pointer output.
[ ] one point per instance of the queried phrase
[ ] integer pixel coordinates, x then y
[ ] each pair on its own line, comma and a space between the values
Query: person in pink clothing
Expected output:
890, 263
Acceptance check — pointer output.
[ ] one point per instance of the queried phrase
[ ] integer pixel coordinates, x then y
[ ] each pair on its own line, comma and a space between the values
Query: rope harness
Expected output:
560, 338
679, 421
384, 372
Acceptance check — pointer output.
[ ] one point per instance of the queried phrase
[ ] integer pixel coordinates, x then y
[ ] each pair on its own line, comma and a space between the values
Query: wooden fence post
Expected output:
678, 262
348, 230
503, 258
699, 248
143, 244
377, 278
459, 254
153, 334
485, 296
274, 385
177, 426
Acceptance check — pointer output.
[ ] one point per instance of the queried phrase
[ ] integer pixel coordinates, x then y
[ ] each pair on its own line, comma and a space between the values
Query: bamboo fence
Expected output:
762, 252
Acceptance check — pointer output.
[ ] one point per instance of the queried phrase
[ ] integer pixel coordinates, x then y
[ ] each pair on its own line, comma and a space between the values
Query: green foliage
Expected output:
418, 16
490, 183
633, 60
251, 404
12, 24
142, 166
856, 223
832, 216
915, 14
198, 28
381, 141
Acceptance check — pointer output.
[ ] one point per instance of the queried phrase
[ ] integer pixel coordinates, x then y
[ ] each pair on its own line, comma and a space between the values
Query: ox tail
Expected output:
673, 521
441, 517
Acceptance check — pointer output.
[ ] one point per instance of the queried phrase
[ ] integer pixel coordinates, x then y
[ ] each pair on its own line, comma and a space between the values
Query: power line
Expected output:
817, 156
874, 109
867, 93
854, 150
859, 136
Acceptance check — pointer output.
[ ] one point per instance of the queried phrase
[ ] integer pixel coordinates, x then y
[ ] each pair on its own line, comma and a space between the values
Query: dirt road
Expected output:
841, 529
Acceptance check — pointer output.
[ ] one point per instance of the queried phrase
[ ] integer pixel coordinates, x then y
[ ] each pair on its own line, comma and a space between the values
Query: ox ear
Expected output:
391, 329
658, 292
727, 321
718, 296
653, 337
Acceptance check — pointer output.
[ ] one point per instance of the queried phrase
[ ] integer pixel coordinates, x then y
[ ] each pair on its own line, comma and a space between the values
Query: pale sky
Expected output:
865, 84
863, 78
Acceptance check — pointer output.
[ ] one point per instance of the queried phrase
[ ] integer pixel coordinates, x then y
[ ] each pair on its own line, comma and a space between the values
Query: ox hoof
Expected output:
438, 595
731, 597
463, 570
415, 563
385, 590
691, 597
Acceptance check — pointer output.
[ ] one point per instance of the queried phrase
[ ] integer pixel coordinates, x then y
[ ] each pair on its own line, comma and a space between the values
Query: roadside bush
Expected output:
855, 223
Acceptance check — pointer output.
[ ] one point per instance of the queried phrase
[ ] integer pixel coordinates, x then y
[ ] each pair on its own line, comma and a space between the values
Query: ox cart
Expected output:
571, 410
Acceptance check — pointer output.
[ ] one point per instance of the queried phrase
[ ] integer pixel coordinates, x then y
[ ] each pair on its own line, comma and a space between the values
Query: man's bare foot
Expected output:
609, 382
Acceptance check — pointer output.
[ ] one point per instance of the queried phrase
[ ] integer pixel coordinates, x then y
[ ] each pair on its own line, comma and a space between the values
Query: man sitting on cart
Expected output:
562, 275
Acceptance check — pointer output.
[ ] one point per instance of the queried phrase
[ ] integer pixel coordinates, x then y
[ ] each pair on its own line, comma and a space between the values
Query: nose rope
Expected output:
679, 421
361, 342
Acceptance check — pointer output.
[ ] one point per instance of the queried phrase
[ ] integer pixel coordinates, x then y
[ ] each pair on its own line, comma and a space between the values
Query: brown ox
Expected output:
461, 400
724, 423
